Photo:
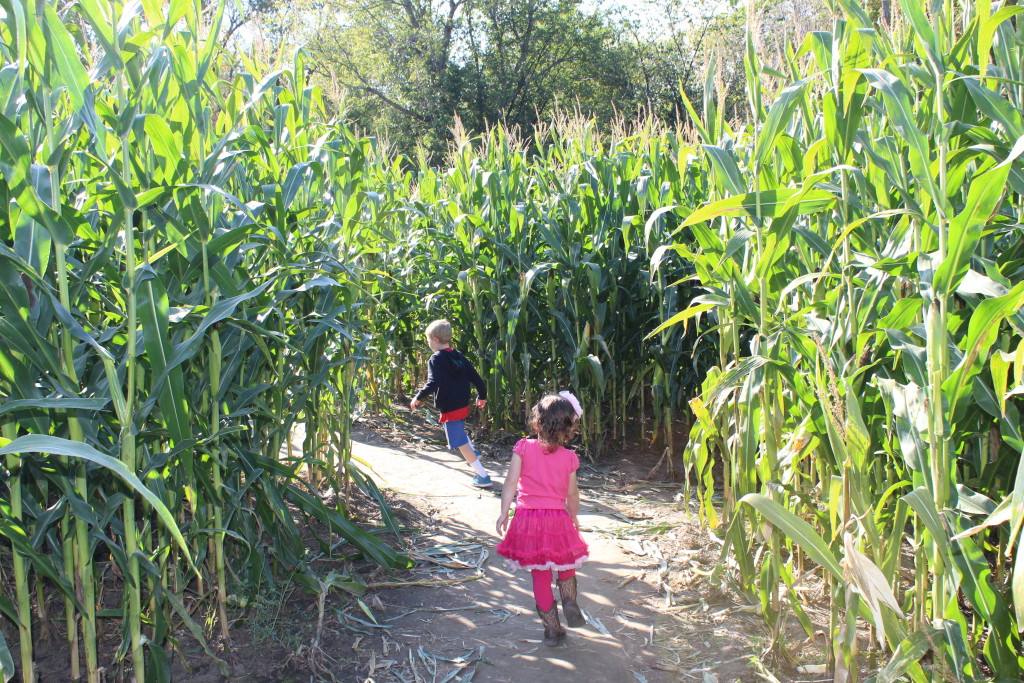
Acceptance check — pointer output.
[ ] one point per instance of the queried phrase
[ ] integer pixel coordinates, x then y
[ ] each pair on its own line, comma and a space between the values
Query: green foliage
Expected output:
412, 70
174, 297
860, 249
550, 256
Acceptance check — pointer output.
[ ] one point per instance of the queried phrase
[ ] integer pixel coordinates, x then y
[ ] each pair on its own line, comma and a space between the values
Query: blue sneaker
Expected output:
482, 482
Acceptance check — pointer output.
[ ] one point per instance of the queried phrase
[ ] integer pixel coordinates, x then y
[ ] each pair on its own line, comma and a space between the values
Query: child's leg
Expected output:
469, 453
567, 591
542, 589
472, 457
546, 610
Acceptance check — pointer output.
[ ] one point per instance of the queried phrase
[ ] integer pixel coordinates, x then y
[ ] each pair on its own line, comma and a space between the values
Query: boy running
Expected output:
449, 374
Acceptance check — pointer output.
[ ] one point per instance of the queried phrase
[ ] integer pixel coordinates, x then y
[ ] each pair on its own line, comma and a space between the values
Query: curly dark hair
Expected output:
554, 421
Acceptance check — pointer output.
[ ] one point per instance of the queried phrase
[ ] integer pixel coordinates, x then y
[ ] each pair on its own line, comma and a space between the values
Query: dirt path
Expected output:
468, 618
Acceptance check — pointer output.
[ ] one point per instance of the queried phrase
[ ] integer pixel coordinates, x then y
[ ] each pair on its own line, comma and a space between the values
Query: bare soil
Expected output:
652, 614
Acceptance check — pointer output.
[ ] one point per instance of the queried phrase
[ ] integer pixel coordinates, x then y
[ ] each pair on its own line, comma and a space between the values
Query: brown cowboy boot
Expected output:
571, 609
553, 631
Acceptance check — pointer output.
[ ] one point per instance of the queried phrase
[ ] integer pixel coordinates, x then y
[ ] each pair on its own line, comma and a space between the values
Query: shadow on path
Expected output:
460, 597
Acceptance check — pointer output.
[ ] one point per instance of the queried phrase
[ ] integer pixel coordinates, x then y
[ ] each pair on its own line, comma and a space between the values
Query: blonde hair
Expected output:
440, 330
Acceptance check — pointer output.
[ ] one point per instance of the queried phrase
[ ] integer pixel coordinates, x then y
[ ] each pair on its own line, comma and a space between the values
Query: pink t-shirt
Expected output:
544, 481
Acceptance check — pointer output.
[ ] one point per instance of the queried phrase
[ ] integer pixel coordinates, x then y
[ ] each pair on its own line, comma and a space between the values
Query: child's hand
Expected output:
480, 403
576, 522
412, 405
502, 525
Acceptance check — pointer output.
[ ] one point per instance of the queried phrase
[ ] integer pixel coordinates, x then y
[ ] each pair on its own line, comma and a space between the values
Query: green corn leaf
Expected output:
982, 332
1017, 586
6, 660
797, 530
593, 363
54, 404
924, 31
732, 379
977, 586
921, 502
158, 665
365, 542
220, 311
43, 564
297, 176
855, 13
901, 114
165, 142
965, 229
178, 9
753, 68
1017, 509
988, 25
190, 623
16, 11
682, 316
780, 114
955, 652
695, 118
32, 243
102, 26
72, 74
996, 107
1016, 518
728, 177
7, 669
770, 203
999, 369
858, 440
903, 314
908, 654
1002, 514
153, 312
654, 220
17, 169
9, 610
370, 488
153, 10
44, 444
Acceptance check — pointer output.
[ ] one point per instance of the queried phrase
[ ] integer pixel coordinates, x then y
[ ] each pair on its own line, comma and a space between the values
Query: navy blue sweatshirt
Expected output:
449, 374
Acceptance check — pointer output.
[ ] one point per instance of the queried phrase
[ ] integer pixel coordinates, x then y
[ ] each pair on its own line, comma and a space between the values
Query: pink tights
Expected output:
542, 586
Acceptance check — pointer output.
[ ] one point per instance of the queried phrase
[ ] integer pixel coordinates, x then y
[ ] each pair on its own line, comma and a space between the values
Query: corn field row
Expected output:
195, 263
174, 297
859, 248
551, 257
195, 260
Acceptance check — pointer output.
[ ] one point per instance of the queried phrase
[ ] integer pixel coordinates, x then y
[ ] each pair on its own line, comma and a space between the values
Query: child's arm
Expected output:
572, 501
508, 491
481, 387
429, 387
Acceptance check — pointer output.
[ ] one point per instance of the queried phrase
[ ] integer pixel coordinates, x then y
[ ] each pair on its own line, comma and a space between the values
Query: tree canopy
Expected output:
410, 69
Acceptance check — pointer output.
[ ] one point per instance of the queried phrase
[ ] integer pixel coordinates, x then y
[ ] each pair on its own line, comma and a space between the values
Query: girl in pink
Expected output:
544, 533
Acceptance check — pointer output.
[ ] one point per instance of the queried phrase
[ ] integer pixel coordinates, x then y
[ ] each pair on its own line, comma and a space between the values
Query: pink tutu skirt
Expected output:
542, 539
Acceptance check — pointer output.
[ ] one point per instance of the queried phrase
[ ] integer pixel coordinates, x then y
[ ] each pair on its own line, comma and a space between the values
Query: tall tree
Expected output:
408, 67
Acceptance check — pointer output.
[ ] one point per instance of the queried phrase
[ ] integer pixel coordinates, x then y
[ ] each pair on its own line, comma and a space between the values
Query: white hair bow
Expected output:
573, 401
